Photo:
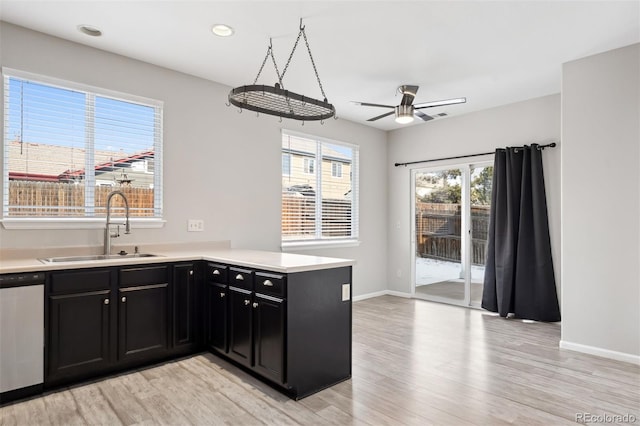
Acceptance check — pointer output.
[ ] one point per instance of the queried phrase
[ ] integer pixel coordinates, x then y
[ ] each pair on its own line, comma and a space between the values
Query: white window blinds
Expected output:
320, 192
68, 145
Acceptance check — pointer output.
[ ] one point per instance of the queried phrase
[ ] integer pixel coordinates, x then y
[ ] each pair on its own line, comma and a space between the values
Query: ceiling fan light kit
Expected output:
407, 110
275, 100
404, 114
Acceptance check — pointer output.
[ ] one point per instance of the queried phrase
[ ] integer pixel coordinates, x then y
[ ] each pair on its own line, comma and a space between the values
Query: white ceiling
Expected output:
492, 52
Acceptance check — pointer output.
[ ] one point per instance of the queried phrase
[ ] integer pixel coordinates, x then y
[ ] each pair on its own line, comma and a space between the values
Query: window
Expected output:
286, 164
66, 146
318, 208
309, 165
336, 169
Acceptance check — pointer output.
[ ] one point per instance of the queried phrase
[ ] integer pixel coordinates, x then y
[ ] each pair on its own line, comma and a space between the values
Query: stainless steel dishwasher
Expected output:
21, 334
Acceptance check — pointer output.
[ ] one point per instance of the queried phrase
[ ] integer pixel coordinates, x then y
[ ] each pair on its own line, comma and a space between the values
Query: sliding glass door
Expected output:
449, 236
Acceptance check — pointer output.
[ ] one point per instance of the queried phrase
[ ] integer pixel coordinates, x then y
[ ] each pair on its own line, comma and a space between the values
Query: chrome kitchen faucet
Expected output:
127, 228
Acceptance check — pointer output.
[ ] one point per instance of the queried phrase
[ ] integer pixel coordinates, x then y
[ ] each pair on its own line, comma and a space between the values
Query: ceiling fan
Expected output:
407, 110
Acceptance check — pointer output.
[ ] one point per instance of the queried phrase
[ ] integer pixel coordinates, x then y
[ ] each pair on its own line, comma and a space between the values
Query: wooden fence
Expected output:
57, 199
438, 229
298, 217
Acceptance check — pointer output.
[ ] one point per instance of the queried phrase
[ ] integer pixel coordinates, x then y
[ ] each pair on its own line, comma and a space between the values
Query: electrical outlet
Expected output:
195, 225
346, 292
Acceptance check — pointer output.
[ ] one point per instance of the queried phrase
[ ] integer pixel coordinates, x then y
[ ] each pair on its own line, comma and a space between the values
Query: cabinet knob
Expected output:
222, 294
216, 272
124, 299
239, 277
191, 272
247, 301
267, 283
106, 301
255, 304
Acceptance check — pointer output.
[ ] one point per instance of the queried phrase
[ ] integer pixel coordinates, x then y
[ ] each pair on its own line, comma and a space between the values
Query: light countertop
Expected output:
265, 260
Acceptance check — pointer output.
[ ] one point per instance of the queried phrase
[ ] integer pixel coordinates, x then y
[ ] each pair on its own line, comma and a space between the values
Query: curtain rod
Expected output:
549, 145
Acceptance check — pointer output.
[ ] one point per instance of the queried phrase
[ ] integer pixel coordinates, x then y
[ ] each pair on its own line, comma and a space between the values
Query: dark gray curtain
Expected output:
519, 277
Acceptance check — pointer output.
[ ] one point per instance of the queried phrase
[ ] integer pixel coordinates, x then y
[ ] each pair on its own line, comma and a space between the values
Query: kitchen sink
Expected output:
92, 258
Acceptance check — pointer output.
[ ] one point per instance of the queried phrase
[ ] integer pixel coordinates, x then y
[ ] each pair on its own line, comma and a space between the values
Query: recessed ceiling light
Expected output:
89, 30
222, 30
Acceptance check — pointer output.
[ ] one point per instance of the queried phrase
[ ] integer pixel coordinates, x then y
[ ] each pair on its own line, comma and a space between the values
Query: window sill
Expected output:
317, 244
74, 223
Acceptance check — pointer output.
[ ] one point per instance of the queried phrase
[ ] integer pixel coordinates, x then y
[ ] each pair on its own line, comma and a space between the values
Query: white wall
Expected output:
219, 165
532, 121
601, 204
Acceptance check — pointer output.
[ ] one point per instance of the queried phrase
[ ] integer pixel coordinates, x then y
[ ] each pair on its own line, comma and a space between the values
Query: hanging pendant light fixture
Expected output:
275, 100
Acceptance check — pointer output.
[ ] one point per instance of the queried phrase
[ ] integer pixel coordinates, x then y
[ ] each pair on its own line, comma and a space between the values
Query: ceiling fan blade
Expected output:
440, 103
373, 105
381, 116
408, 94
423, 116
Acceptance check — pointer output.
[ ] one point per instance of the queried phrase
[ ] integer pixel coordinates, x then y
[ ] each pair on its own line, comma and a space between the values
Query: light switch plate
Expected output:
195, 225
346, 292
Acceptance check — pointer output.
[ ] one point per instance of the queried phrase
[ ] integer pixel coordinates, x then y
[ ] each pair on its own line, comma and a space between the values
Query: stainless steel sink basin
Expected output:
95, 257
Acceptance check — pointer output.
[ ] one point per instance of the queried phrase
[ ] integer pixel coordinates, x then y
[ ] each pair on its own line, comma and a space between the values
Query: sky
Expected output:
44, 114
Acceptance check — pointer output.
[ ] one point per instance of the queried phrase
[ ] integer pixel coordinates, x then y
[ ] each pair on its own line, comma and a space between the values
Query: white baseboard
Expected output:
605, 353
399, 294
369, 295
381, 293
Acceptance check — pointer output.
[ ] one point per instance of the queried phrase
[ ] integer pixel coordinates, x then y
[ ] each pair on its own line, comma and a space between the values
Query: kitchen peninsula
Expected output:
285, 318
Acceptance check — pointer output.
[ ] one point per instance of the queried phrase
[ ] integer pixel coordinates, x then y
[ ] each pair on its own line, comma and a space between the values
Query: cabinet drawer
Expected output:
271, 284
217, 273
80, 281
144, 275
241, 278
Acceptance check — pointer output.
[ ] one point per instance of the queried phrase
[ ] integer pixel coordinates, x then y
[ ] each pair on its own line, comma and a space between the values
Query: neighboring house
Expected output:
29, 161
299, 170
426, 183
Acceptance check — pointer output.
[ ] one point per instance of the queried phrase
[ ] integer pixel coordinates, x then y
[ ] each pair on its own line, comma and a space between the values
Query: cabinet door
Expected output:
240, 325
184, 306
79, 334
216, 314
269, 329
142, 322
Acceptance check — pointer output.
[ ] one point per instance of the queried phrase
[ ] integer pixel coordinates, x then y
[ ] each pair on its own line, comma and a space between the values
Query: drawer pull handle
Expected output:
124, 299
246, 301
222, 294
106, 301
216, 272
239, 277
267, 283
255, 304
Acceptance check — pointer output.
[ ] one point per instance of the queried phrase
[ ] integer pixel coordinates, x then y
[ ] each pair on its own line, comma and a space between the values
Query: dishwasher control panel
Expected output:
17, 280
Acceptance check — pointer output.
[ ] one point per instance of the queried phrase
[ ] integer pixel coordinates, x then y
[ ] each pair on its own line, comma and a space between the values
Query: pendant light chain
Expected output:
303, 33
263, 63
295, 45
314, 64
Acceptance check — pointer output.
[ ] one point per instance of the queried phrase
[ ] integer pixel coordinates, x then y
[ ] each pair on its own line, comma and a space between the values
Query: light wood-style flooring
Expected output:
452, 289
414, 363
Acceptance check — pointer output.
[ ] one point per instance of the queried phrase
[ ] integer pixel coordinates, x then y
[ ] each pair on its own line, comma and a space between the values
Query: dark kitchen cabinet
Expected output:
293, 329
102, 320
215, 308
256, 320
269, 330
143, 312
240, 326
185, 312
81, 324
